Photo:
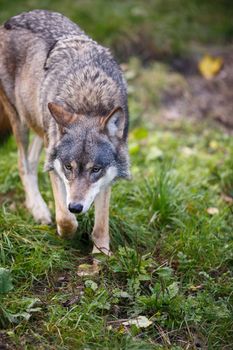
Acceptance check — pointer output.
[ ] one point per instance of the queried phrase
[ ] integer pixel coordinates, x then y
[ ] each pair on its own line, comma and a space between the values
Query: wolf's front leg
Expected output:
66, 222
100, 234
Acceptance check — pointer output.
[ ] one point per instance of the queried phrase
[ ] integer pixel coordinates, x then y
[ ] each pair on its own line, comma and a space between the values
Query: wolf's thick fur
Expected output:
70, 91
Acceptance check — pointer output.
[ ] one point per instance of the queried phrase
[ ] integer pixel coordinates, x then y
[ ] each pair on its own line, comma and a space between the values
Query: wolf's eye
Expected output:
96, 169
68, 166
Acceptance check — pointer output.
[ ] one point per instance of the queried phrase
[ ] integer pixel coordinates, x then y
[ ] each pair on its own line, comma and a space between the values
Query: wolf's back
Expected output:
49, 26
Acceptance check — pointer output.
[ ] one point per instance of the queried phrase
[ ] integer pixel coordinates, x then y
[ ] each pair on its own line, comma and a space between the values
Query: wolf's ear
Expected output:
114, 123
61, 116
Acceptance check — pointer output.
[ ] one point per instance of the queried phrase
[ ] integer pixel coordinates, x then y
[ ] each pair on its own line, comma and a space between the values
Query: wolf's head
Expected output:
90, 155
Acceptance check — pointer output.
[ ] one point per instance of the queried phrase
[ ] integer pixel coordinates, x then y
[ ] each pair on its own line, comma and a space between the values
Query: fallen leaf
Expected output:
212, 211
140, 322
209, 66
88, 270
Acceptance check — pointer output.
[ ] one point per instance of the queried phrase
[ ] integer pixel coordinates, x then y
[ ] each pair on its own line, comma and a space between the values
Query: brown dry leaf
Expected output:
88, 270
210, 66
212, 211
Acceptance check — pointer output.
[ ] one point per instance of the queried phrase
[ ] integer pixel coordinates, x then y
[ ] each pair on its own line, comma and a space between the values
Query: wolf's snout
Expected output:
75, 208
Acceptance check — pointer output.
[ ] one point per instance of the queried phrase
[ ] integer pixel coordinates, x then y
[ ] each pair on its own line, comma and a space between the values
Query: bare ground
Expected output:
203, 99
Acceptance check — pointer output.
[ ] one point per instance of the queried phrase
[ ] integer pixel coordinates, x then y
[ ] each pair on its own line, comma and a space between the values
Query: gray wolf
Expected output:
70, 91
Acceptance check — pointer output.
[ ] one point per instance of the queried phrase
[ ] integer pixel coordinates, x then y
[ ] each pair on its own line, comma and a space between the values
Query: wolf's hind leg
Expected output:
100, 234
34, 201
66, 221
27, 163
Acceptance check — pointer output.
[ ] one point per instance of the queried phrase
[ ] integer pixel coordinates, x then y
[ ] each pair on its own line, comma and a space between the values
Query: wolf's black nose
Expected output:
75, 208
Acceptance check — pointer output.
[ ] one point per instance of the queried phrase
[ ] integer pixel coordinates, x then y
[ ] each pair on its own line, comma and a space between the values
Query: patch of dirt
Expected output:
65, 280
204, 98
6, 343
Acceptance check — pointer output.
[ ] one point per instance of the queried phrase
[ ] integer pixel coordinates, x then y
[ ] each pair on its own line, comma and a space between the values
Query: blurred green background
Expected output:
145, 28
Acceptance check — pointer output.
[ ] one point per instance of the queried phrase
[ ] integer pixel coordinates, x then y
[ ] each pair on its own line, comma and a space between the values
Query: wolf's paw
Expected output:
100, 240
40, 212
101, 250
66, 228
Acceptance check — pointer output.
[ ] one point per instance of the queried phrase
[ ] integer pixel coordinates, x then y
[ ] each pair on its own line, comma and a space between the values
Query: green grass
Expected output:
172, 260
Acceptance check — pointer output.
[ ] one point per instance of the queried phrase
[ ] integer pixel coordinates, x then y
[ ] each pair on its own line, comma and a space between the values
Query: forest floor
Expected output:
169, 282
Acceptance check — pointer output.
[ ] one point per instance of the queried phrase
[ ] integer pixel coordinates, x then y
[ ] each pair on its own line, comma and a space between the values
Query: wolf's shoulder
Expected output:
49, 25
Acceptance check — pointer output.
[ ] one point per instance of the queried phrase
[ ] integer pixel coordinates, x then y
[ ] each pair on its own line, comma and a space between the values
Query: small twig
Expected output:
118, 321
